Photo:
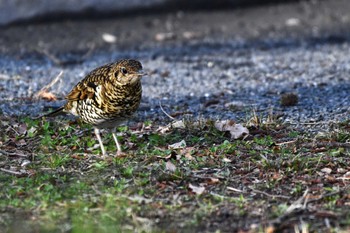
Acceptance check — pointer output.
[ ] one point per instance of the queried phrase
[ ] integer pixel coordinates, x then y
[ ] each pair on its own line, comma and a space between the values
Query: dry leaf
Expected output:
188, 156
226, 160
212, 180
178, 124
170, 166
22, 128
178, 145
139, 199
326, 170
46, 95
270, 229
197, 190
174, 125
236, 130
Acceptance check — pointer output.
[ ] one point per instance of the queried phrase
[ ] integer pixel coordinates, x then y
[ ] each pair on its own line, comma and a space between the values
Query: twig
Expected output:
286, 143
89, 52
303, 201
161, 108
219, 196
12, 172
12, 153
312, 123
269, 195
329, 194
297, 203
52, 57
235, 190
326, 144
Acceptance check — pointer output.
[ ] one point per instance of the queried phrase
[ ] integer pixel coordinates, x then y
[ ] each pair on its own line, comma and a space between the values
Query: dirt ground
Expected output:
202, 64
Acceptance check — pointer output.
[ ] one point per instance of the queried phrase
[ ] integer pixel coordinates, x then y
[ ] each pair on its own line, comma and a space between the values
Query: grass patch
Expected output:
53, 179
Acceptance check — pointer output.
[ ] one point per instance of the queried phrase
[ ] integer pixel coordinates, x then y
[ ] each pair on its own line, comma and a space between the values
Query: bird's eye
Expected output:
123, 70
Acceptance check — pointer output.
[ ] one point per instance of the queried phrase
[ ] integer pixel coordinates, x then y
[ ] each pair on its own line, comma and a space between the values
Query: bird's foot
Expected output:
121, 154
105, 156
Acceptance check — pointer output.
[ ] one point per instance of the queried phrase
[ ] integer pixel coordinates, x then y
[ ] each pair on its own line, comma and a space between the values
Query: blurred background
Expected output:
12, 11
79, 24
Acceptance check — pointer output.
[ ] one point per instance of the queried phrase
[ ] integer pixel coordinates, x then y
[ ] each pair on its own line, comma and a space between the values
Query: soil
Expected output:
226, 64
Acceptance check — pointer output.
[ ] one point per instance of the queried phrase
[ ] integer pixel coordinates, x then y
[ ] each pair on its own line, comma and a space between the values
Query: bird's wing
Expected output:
86, 88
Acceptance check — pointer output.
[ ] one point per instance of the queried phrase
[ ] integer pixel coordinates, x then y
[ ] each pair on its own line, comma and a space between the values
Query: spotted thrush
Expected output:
106, 97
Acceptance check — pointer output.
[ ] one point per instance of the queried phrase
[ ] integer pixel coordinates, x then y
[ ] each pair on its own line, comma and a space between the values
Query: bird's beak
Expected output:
141, 73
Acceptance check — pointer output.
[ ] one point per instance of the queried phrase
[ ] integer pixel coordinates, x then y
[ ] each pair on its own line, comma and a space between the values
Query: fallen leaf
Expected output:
188, 155
270, 229
170, 166
172, 155
236, 130
226, 160
22, 128
46, 95
196, 189
178, 124
140, 199
21, 142
178, 145
341, 170
174, 125
326, 170
212, 180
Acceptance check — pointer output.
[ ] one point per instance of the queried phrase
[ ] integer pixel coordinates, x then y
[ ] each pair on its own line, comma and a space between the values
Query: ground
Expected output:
281, 71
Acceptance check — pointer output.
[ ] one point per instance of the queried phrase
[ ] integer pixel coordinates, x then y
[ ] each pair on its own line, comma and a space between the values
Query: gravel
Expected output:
207, 76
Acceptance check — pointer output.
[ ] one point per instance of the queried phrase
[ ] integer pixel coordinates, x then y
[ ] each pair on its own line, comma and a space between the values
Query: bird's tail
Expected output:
57, 112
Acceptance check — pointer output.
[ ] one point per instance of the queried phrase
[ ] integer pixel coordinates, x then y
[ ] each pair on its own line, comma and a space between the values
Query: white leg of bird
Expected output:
119, 149
97, 133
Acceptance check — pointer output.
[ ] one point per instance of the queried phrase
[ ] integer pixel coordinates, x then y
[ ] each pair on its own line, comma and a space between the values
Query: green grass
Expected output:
69, 187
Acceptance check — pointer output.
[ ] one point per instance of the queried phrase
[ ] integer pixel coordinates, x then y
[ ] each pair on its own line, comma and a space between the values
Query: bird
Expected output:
106, 97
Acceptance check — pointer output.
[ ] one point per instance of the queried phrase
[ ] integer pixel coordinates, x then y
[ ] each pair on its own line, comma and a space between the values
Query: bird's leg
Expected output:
119, 149
97, 133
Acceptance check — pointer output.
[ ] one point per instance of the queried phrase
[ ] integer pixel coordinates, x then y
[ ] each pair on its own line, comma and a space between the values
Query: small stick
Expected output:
270, 195
11, 172
161, 108
12, 153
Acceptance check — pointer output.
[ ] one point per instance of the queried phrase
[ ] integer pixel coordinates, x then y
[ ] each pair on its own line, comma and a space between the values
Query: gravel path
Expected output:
194, 68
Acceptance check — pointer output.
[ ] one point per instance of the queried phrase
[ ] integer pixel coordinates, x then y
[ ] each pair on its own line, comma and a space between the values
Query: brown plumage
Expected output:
106, 97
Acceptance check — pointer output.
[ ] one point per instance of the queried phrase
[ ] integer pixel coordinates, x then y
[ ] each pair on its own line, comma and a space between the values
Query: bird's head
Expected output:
126, 72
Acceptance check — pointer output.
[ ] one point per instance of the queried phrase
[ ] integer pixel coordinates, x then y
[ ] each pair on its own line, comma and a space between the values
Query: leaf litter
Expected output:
236, 130
269, 181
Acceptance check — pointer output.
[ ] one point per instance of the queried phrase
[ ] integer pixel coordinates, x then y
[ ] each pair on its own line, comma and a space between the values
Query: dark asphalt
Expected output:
218, 64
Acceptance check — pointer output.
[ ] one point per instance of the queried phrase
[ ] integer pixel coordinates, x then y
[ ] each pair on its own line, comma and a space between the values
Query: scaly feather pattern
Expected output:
107, 96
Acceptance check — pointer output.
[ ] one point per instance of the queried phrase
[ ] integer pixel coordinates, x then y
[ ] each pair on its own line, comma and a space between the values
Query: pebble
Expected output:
300, 68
